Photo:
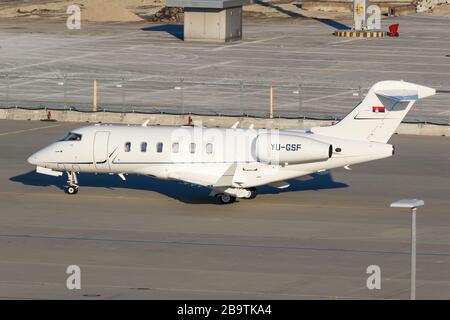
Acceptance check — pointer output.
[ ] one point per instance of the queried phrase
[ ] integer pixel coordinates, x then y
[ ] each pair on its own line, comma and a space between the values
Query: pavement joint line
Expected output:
218, 244
248, 42
216, 64
28, 130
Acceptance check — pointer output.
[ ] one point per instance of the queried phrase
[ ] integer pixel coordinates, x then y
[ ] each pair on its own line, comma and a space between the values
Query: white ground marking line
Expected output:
399, 49
17, 84
329, 96
355, 51
134, 46
423, 38
317, 70
422, 16
89, 88
80, 57
71, 58
247, 43
48, 62
76, 43
159, 91
314, 68
27, 130
212, 65
343, 41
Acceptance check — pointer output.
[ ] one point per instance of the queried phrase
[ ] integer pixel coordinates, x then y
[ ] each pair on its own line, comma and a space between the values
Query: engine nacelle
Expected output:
285, 148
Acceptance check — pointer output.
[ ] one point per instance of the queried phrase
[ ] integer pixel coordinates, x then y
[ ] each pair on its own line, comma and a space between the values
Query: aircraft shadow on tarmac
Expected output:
329, 22
177, 190
176, 30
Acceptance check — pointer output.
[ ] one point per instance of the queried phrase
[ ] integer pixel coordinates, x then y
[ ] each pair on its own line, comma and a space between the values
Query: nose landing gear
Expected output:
72, 189
72, 182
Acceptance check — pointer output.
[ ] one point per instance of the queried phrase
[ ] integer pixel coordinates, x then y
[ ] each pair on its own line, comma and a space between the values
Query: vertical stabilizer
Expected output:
377, 117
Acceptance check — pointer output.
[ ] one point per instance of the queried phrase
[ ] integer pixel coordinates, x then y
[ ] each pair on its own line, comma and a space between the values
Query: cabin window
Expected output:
209, 148
175, 147
159, 147
192, 147
143, 146
71, 136
127, 146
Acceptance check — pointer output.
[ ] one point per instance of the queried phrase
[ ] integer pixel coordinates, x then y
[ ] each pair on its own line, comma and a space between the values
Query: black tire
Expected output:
253, 193
226, 198
72, 190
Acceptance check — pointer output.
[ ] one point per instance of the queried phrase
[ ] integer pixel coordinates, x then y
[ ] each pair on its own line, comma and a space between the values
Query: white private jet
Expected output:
234, 161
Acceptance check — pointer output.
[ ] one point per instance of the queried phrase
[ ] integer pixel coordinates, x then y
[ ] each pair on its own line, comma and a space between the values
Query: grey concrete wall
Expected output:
193, 25
208, 121
204, 25
233, 26
213, 25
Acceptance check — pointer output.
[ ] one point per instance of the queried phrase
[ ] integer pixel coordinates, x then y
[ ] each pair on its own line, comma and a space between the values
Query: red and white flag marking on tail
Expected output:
378, 109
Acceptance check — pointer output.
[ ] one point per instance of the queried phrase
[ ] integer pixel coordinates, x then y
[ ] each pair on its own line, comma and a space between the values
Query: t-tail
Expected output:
377, 117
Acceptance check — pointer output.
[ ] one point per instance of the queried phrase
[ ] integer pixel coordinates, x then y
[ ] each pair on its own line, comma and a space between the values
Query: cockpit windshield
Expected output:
71, 136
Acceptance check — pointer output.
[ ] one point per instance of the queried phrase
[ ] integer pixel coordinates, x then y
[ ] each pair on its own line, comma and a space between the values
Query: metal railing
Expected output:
173, 95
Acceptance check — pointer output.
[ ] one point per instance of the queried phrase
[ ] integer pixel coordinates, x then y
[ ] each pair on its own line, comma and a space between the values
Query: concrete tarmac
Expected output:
152, 239
139, 67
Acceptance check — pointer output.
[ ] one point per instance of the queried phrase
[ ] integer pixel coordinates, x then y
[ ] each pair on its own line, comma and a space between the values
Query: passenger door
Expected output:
101, 160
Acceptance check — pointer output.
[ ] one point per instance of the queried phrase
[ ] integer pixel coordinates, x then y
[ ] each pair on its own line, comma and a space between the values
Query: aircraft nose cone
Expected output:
33, 160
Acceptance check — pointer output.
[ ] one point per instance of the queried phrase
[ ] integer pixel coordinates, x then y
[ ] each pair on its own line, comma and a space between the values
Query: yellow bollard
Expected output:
271, 103
94, 98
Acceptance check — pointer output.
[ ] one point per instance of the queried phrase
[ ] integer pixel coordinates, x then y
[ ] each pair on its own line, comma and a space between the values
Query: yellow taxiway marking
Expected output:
154, 199
27, 130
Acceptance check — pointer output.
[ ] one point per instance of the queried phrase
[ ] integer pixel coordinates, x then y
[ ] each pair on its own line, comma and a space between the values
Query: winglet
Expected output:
146, 123
234, 126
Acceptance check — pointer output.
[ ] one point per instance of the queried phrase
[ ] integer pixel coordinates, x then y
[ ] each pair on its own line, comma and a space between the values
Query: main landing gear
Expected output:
72, 182
226, 198
253, 193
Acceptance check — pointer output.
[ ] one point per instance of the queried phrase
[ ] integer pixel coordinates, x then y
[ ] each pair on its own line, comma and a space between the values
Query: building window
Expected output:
159, 147
209, 148
192, 147
175, 147
127, 146
143, 146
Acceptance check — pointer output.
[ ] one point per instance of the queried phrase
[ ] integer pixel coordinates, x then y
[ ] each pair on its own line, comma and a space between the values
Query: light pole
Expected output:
412, 204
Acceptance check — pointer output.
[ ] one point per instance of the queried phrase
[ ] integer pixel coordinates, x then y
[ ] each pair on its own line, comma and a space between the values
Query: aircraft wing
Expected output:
199, 179
207, 180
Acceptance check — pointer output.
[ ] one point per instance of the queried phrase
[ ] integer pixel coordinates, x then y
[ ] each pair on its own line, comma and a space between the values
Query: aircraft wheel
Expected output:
226, 198
253, 193
72, 189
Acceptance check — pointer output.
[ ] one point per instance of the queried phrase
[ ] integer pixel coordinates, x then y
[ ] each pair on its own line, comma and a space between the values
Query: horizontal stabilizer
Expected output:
399, 95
